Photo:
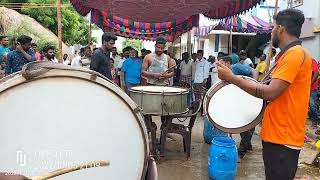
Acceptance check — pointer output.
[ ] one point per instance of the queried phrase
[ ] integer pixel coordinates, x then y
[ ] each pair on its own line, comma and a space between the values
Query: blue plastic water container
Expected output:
209, 131
223, 156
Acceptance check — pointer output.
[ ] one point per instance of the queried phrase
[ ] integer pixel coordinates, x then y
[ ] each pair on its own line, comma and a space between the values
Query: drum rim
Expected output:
18, 79
185, 91
238, 130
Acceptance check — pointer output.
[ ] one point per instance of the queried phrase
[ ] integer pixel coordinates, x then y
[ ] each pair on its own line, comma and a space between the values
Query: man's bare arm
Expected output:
255, 74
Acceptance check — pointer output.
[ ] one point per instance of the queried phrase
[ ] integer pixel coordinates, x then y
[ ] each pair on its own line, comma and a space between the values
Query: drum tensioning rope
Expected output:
35, 69
62, 171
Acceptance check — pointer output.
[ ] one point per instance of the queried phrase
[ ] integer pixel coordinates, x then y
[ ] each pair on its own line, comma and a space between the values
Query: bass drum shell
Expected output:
231, 109
63, 118
160, 100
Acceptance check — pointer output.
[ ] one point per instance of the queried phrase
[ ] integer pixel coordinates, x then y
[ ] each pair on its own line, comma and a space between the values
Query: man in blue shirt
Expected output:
22, 55
131, 68
4, 50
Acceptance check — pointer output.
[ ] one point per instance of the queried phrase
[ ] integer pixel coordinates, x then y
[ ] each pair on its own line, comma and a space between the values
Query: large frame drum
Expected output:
62, 117
160, 100
231, 109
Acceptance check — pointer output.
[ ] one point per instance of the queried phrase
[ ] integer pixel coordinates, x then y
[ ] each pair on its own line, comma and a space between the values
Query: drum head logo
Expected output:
21, 158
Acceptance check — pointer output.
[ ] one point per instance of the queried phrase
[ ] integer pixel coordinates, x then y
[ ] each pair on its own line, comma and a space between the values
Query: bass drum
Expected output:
231, 109
54, 116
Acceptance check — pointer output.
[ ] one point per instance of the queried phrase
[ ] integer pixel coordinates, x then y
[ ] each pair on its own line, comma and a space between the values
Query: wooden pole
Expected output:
230, 38
276, 7
90, 33
59, 30
181, 47
270, 47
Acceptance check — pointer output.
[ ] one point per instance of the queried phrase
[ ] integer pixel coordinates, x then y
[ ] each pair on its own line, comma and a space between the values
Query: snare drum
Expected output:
65, 117
160, 100
231, 109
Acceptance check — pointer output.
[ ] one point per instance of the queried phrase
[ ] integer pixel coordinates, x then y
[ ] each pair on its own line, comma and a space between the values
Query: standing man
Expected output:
284, 120
85, 60
66, 60
22, 55
131, 68
201, 75
115, 57
186, 74
4, 50
100, 60
313, 102
48, 53
126, 54
37, 54
262, 66
243, 56
272, 61
156, 65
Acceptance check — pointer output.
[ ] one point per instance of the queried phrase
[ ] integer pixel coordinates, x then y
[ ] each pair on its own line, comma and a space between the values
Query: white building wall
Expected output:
310, 9
209, 46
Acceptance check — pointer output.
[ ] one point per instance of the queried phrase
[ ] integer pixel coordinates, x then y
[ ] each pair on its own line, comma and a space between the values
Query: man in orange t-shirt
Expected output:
283, 124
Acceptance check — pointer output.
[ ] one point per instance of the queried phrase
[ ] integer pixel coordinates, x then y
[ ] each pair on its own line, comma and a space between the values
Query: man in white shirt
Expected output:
186, 69
272, 58
243, 56
201, 75
76, 60
115, 57
194, 62
186, 73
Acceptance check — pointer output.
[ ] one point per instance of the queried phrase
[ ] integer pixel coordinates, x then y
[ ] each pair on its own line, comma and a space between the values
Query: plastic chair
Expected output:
185, 131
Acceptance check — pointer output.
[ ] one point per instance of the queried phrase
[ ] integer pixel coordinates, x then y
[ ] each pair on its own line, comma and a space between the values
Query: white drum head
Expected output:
159, 89
232, 109
62, 119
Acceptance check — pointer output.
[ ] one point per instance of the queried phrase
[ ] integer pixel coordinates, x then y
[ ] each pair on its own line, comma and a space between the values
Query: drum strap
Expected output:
267, 78
35, 69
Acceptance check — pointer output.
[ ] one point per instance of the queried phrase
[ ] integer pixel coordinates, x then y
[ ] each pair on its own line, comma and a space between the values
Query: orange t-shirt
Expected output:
285, 118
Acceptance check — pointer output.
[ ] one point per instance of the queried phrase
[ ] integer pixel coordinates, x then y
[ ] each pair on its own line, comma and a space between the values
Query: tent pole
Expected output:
90, 28
180, 47
59, 30
230, 38
270, 47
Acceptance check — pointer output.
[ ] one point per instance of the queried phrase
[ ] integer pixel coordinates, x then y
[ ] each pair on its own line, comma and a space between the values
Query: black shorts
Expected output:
280, 162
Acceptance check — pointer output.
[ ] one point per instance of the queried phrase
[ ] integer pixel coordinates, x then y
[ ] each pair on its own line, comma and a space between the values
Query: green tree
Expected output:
136, 44
75, 29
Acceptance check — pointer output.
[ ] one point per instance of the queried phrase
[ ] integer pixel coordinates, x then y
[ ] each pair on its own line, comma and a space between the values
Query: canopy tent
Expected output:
141, 30
252, 25
147, 19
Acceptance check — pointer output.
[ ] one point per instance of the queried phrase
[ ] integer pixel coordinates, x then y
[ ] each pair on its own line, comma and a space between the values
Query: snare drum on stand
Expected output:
160, 100
54, 116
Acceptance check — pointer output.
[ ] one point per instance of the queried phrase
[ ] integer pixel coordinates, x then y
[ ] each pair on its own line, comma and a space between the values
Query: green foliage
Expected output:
75, 29
136, 44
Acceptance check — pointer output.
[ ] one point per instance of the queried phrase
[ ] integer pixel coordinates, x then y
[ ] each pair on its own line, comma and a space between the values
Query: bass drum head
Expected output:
231, 109
62, 118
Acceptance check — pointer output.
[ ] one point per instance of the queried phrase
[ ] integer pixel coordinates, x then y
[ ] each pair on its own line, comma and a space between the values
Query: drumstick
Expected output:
62, 171
168, 70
